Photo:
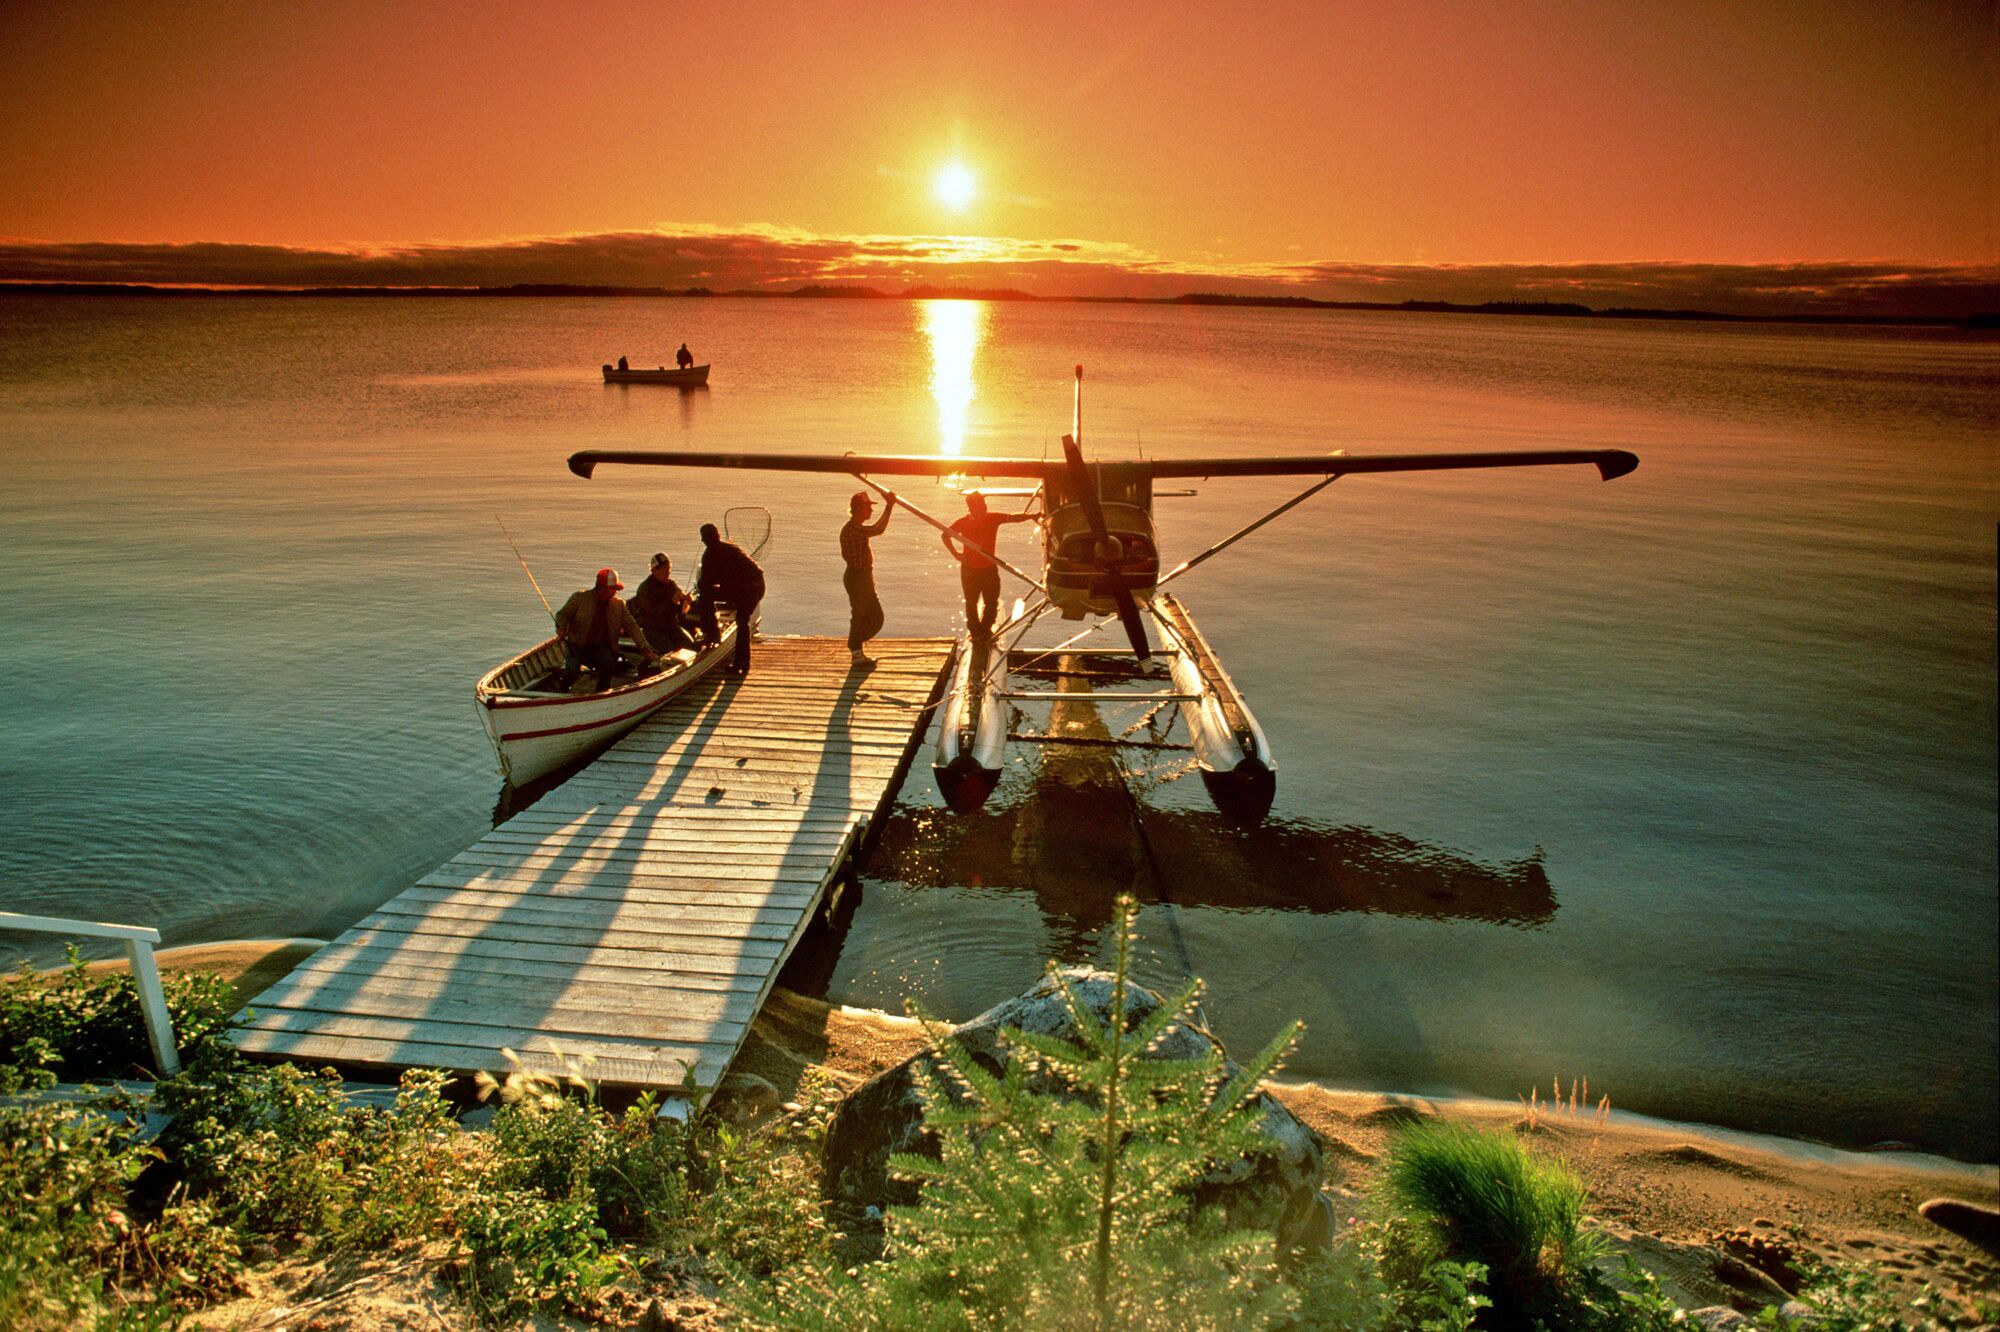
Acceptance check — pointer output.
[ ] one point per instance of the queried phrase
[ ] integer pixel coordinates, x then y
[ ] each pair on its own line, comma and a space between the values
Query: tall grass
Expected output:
1485, 1200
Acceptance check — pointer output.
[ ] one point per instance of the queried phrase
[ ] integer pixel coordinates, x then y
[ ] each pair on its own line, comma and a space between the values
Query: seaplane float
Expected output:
1100, 559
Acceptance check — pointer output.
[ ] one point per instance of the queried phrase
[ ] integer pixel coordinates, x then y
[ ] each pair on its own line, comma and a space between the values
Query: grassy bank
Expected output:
272, 1199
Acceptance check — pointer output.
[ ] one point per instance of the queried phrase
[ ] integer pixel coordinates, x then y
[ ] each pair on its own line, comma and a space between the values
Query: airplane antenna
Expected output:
524, 566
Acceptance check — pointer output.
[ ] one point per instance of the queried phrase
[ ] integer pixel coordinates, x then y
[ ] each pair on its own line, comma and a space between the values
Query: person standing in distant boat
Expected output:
864, 608
590, 624
729, 574
684, 358
622, 365
660, 607
977, 535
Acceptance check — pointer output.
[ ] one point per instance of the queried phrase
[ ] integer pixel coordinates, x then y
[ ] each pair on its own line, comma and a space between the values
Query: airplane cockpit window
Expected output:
1082, 547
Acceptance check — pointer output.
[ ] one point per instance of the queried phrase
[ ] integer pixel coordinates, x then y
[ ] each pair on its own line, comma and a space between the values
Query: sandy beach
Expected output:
1712, 1211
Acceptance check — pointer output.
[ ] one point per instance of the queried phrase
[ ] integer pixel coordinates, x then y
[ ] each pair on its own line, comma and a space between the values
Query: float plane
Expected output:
1100, 559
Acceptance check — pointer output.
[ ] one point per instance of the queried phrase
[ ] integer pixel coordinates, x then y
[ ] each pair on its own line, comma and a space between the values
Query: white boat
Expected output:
695, 376
537, 727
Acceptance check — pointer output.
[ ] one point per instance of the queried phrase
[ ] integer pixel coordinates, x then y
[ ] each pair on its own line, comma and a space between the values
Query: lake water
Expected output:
1684, 783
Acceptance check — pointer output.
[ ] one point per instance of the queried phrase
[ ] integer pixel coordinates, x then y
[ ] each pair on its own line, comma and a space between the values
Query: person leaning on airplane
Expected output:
589, 625
864, 607
972, 541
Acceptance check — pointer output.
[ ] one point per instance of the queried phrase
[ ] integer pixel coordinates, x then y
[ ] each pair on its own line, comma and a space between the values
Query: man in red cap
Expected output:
589, 625
864, 608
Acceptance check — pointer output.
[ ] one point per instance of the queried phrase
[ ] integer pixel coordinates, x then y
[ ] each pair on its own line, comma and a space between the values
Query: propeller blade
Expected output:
1109, 560
1085, 486
1135, 628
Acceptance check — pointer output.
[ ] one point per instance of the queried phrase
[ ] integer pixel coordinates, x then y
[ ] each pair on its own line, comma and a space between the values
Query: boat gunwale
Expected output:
488, 694
661, 375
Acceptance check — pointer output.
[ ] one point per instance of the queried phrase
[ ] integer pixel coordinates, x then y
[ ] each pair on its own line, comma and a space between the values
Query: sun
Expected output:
955, 185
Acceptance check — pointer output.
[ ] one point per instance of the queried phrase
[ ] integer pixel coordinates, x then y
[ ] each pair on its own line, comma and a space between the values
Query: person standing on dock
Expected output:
684, 358
976, 535
729, 574
590, 624
864, 608
659, 606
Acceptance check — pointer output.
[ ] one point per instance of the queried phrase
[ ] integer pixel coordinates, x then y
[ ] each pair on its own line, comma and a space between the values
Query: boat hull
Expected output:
535, 733
693, 377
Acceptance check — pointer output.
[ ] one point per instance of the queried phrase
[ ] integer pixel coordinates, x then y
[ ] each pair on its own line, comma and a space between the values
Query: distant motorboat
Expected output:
693, 377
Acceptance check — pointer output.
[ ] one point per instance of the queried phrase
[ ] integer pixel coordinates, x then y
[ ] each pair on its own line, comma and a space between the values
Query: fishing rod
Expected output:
524, 566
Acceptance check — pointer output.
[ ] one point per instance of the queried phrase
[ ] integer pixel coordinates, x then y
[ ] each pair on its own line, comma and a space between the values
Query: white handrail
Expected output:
139, 941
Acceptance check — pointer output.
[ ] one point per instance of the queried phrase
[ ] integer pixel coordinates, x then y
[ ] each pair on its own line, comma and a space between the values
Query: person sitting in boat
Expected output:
729, 574
659, 606
976, 536
590, 624
622, 365
684, 358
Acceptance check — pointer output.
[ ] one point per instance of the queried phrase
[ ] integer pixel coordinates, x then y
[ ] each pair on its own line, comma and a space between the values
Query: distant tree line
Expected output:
837, 291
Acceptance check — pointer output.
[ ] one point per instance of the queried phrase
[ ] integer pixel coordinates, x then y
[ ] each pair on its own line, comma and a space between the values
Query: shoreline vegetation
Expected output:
814, 291
278, 1198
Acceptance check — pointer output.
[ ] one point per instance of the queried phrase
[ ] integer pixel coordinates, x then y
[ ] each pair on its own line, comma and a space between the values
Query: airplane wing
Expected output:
1609, 463
845, 464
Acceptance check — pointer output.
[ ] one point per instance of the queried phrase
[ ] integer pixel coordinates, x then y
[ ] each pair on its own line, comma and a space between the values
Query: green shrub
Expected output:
408, 1172
277, 1150
522, 1249
644, 1179
72, 1026
688, 1186
189, 1255
1385, 1276
754, 1202
1843, 1297
1483, 1199
65, 1224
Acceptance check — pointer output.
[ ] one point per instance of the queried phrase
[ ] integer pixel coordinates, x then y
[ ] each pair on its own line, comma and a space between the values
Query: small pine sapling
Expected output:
1068, 1171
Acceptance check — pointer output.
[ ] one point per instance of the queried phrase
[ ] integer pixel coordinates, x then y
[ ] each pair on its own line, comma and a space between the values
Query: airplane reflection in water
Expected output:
1077, 856
1075, 836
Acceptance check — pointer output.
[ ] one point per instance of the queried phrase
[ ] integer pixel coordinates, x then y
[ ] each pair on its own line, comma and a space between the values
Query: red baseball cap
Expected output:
608, 579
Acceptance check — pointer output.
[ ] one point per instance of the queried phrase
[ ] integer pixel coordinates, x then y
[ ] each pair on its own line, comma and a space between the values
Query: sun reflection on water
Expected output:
954, 328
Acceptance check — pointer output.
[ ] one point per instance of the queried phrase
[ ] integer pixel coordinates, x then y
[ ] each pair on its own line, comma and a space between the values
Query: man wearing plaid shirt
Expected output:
864, 608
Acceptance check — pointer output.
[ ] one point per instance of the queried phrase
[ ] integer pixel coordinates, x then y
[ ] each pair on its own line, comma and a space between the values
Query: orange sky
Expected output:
1215, 138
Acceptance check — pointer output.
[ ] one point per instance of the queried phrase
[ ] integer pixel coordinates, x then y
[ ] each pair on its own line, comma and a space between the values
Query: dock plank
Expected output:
634, 995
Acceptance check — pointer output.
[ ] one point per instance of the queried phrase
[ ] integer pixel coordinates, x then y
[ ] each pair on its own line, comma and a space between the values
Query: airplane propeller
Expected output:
1107, 552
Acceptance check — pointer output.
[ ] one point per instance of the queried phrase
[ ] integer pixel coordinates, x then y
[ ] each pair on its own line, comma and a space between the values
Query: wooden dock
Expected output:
629, 924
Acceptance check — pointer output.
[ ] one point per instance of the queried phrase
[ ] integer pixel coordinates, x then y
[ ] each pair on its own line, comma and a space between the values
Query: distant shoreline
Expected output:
1519, 309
